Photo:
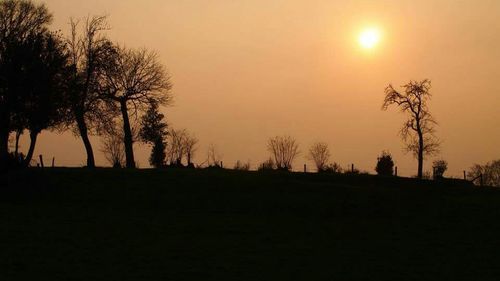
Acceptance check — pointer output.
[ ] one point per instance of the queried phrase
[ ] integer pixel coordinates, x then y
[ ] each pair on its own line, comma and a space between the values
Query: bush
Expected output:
490, 172
332, 168
438, 168
267, 165
385, 164
240, 166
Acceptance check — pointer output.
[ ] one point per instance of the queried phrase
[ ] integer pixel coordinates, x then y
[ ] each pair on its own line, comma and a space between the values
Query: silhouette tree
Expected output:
112, 147
320, 154
154, 131
490, 173
133, 81
214, 157
20, 22
190, 142
90, 53
177, 147
418, 131
45, 83
284, 150
385, 164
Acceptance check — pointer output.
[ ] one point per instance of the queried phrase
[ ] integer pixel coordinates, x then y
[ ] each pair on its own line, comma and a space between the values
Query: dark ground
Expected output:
75, 224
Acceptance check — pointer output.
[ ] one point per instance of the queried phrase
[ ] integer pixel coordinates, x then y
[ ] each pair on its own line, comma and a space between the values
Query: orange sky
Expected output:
246, 70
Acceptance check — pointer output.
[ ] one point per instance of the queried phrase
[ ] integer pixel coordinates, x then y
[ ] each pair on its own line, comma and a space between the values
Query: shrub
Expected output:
319, 154
438, 168
240, 166
490, 172
284, 149
385, 164
332, 168
267, 165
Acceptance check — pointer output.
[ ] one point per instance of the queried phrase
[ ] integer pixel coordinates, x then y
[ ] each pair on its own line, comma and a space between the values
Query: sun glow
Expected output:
369, 38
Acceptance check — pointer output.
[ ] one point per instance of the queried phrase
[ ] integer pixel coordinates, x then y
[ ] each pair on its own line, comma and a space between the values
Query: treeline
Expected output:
86, 83
82, 82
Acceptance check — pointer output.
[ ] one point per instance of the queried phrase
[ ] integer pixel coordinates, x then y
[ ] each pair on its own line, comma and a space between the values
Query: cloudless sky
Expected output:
246, 70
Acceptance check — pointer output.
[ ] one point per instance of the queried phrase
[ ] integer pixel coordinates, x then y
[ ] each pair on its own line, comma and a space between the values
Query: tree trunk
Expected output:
4, 148
127, 133
420, 155
18, 136
29, 156
82, 128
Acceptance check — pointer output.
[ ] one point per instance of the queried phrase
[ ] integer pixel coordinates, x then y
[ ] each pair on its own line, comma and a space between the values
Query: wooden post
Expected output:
396, 171
221, 164
352, 168
305, 168
53, 162
465, 176
41, 160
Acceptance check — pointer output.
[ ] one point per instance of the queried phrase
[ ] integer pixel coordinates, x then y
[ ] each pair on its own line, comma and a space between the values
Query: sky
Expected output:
247, 70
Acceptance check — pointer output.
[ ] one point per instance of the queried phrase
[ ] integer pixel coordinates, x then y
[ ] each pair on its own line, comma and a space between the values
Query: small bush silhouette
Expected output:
385, 164
332, 168
240, 166
439, 167
267, 165
284, 150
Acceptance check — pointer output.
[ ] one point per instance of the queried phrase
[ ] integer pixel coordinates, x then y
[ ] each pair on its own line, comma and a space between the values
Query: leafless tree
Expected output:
112, 148
190, 147
90, 53
284, 149
320, 154
418, 131
176, 146
490, 173
135, 80
214, 157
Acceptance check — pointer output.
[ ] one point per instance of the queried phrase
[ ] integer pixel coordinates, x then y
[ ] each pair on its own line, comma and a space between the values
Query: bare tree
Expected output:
112, 148
418, 131
190, 147
284, 149
90, 53
320, 154
489, 173
135, 80
176, 146
214, 157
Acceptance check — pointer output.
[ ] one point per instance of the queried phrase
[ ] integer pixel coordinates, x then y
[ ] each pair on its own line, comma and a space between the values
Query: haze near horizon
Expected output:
244, 71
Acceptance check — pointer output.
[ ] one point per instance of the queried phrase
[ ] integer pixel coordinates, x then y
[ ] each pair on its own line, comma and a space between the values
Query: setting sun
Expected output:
369, 38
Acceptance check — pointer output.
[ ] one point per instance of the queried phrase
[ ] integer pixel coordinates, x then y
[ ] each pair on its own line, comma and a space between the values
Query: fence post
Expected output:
221, 164
396, 171
305, 168
465, 176
53, 162
352, 168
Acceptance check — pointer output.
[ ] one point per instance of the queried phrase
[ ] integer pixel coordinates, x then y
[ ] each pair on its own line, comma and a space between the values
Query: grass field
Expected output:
75, 224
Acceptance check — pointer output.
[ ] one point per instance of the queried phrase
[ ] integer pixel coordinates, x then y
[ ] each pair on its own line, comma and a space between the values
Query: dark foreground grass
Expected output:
75, 224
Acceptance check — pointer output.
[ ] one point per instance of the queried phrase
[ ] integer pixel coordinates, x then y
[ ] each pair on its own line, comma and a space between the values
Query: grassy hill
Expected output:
76, 224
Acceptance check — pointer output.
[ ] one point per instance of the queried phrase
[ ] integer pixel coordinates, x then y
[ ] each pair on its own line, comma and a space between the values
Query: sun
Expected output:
369, 38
